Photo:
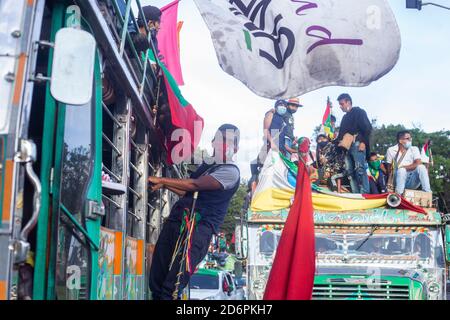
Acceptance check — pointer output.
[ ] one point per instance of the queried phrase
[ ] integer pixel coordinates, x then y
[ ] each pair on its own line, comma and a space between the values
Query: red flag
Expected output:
327, 114
292, 274
168, 40
184, 117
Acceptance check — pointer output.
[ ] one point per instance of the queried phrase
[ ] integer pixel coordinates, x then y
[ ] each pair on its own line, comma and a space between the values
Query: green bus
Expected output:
78, 141
376, 254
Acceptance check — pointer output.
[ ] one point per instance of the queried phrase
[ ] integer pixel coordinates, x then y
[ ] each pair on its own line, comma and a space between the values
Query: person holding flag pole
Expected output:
329, 121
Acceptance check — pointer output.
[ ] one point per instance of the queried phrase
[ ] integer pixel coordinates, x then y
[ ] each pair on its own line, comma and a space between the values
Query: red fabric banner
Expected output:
292, 274
183, 117
168, 40
404, 204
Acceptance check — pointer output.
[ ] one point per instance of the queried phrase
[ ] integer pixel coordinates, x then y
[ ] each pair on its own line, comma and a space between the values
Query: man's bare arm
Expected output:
413, 166
178, 192
289, 149
203, 183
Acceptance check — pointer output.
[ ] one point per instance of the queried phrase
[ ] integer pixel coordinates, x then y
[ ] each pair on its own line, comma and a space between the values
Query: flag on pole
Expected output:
302, 47
326, 121
168, 42
179, 27
426, 155
293, 269
183, 116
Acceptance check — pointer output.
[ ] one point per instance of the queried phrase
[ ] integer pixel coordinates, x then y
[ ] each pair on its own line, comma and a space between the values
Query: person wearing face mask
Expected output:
216, 183
287, 138
405, 165
274, 123
272, 126
376, 173
354, 136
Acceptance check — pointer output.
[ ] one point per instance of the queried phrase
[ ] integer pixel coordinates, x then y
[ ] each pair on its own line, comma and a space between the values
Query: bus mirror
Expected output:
73, 66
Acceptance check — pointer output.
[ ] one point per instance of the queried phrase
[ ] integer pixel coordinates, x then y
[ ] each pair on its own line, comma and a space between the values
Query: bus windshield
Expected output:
381, 244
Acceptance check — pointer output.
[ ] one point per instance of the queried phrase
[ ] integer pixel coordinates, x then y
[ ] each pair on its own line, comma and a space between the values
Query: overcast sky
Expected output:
416, 92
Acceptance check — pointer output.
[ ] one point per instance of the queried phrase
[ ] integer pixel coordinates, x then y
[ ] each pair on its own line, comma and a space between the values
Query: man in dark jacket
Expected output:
216, 184
355, 123
153, 16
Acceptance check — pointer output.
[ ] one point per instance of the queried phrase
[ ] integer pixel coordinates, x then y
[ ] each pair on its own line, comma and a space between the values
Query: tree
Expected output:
234, 209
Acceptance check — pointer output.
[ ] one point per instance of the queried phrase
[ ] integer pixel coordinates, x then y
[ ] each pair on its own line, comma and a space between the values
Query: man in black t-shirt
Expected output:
216, 183
355, 126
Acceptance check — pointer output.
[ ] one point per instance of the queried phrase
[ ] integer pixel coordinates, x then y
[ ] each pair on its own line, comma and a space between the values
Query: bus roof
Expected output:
379, 216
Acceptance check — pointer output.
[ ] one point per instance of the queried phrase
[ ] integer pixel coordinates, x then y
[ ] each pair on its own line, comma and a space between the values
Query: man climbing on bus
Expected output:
185, 237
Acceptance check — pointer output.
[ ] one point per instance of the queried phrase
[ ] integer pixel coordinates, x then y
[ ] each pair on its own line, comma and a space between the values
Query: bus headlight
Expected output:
433, 288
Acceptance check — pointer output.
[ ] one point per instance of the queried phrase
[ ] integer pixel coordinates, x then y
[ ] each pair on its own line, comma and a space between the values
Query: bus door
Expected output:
67, 260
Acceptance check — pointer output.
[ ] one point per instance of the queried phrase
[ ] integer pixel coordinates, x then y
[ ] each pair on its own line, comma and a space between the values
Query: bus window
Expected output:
422, 246
72, 271
267, 243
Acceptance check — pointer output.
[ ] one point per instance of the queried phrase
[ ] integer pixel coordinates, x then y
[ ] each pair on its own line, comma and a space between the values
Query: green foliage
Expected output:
384, 137
236, 204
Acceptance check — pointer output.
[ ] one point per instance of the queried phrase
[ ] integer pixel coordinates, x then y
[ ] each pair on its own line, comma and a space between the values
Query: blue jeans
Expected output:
356, 165
412, 179
378, 186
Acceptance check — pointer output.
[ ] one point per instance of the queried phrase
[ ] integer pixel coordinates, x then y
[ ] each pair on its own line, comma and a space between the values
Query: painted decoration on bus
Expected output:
134, 279
149, 249
109, 262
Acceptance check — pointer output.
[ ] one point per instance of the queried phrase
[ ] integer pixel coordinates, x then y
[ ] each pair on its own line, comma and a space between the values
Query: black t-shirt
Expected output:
356, 122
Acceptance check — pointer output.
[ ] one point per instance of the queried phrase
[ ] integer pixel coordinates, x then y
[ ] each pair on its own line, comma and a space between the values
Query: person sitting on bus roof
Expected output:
376, 173
216, 183
405, 164
330, 163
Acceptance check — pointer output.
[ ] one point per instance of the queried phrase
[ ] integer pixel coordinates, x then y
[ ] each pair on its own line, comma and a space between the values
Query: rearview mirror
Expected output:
73, 66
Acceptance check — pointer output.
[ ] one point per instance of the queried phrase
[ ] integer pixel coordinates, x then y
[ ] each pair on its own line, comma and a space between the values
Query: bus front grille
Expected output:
350, 291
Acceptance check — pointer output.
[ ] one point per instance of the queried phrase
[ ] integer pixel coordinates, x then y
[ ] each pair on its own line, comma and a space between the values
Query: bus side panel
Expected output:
109, 264
134, 267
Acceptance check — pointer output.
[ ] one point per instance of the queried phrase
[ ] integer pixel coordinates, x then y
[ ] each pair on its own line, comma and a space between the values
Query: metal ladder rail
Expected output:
126, 39
123, 39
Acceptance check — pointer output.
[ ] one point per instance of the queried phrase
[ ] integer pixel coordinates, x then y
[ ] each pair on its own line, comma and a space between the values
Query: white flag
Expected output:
285, 48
